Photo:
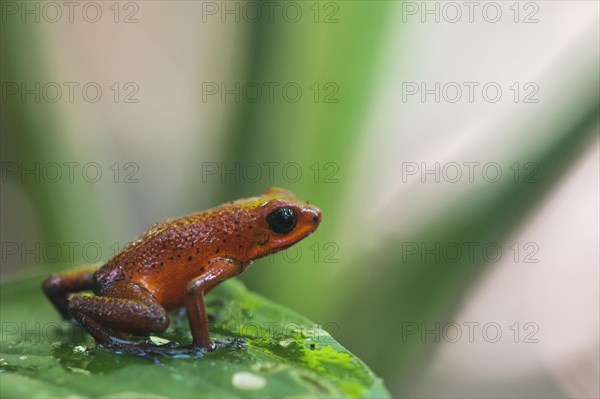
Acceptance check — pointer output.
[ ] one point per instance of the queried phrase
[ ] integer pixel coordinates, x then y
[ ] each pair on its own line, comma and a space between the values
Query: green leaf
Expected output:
285, 355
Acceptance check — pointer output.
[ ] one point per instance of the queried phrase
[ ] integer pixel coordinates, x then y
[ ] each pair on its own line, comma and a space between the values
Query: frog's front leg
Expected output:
218, 270
124, 308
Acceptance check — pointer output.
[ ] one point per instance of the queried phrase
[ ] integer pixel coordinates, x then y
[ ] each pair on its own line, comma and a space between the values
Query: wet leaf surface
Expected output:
264, 350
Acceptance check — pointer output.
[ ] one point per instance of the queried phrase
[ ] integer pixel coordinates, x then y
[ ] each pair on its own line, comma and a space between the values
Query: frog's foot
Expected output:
114, 342
151, 351
232, 343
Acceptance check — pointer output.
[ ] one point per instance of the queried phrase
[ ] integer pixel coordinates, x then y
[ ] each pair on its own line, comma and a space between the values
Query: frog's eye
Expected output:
282, 220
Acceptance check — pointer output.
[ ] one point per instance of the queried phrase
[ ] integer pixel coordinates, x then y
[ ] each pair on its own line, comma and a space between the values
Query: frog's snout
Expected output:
313, 217
317, 217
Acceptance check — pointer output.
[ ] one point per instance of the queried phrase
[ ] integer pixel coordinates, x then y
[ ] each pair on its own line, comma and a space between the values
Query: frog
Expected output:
174, 264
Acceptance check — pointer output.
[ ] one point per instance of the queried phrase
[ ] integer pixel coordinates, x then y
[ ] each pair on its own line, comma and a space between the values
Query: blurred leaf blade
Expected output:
428, 291
32, 138
319, 134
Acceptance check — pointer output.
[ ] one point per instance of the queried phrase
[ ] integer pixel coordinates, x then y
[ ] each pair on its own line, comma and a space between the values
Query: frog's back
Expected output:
154, 249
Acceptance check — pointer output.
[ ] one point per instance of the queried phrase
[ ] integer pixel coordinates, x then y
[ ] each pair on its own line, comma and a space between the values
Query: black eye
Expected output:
282, 221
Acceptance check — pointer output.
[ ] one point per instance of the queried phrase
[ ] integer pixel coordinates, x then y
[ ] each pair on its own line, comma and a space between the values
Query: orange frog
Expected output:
175, 263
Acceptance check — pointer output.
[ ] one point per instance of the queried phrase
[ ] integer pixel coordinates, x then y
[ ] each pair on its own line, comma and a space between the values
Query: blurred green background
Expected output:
183, 105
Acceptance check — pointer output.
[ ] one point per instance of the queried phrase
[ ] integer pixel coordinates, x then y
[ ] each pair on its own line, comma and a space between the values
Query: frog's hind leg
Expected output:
124, 309
58, 286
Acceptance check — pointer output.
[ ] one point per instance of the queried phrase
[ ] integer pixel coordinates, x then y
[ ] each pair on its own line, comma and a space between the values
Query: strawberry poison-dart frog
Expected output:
175, 263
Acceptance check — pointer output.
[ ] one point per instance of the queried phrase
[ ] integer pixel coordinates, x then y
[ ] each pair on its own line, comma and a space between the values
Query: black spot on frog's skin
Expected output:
162, 263
236, 220
217, 250
189, 258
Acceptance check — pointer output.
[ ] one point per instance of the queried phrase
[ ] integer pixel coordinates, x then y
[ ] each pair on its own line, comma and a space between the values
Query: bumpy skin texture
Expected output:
174, 263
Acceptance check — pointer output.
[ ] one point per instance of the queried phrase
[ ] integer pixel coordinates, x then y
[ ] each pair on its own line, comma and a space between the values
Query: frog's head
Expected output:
280, 221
